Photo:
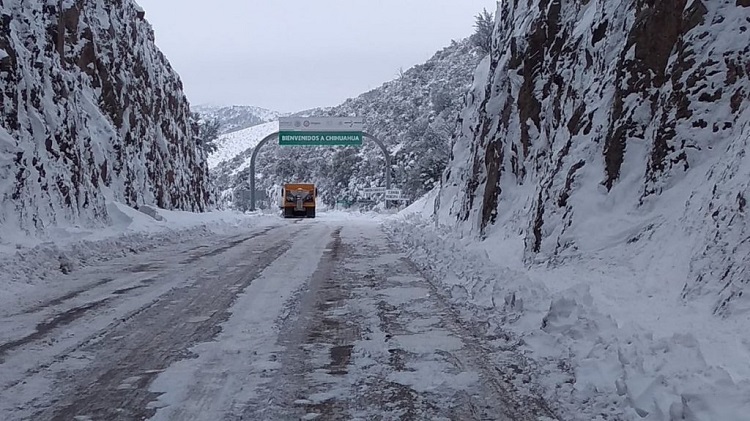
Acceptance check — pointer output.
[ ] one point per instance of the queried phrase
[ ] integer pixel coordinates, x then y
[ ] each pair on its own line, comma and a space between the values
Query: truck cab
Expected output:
298, 200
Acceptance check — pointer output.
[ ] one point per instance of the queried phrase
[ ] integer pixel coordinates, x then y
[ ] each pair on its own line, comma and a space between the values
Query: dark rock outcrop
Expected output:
90, 108
588, 111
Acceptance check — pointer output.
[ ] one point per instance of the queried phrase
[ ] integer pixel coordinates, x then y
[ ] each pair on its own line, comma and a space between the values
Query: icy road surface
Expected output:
307, 319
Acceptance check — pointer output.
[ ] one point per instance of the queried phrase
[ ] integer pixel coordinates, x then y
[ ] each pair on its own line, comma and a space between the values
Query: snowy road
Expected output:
311, 319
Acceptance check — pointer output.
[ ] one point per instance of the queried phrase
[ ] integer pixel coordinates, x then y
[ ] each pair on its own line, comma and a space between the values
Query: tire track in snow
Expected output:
370, 339
68, 316
229, 371
106, 375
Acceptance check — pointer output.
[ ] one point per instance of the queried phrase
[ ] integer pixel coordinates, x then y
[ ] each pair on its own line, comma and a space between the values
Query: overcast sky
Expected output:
290, 55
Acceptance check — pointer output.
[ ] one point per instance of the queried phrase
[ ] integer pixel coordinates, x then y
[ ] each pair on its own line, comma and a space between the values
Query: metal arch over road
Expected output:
275, 135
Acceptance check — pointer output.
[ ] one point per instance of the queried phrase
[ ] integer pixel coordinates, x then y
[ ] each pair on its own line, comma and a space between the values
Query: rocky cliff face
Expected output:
90, 108
612, 120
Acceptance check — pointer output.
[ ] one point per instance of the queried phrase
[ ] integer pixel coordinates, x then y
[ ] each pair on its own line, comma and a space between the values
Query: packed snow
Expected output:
248, 341
606, 331
32, 265
363, 336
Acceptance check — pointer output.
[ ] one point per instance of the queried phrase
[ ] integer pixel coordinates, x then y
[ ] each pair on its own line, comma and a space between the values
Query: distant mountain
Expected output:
414, 115
237, 117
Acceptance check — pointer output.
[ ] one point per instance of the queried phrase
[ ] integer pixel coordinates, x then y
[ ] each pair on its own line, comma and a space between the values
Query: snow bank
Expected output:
29, 264
350, 215
425, 205
603, 341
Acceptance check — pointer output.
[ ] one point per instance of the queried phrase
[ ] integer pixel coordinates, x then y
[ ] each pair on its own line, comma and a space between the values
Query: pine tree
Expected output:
484, 25
208, 132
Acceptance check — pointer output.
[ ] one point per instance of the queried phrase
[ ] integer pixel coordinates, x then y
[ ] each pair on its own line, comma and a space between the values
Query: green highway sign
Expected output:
307, 138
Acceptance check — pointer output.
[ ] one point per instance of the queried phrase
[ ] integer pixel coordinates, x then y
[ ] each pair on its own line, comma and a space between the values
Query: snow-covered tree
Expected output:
424, 156
483, 26
208, 131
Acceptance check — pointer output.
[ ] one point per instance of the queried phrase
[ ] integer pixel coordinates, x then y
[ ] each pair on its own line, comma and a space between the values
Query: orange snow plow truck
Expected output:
298, 200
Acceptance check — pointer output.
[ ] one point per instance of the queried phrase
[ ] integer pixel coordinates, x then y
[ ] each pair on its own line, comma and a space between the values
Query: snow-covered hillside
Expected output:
237, 117
609, 137
229, 145
598, 188
90, 109
414, 115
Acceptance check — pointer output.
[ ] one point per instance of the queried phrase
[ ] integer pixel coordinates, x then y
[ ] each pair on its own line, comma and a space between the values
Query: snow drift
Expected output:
594, 212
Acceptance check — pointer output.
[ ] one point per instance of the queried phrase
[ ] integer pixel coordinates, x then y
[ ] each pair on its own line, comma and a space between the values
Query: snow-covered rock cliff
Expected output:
613, 128
90, 108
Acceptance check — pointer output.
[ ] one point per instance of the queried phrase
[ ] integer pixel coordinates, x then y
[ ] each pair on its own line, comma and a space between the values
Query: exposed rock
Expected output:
91, 105
596, 108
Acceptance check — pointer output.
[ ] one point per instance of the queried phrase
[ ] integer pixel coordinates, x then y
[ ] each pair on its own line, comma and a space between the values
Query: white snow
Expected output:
31, 275
233, 112
248, 339
607, 331
232, 144
71, 145
599, 309
31, 267
628, 289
